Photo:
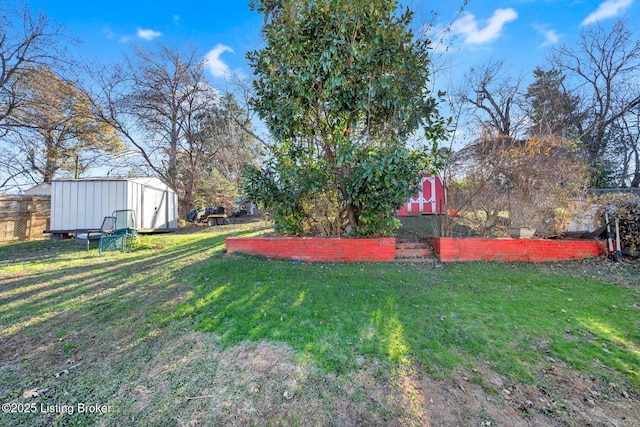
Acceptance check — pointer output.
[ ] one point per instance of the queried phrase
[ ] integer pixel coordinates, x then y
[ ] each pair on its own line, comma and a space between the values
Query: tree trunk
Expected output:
50, 166
186, 204
635, 182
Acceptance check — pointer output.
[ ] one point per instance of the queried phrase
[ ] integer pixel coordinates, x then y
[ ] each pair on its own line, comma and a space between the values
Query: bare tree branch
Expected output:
601, 66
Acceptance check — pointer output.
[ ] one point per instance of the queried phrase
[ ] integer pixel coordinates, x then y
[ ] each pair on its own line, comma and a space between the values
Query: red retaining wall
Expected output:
532, 250
316, 249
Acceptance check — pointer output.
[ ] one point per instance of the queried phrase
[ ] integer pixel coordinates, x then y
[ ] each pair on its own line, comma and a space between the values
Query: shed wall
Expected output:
83, 204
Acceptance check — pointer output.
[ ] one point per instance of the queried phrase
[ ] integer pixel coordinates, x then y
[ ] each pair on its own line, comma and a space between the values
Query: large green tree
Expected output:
341, 85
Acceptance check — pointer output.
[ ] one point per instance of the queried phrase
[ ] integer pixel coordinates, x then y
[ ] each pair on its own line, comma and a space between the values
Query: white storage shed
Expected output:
83, 203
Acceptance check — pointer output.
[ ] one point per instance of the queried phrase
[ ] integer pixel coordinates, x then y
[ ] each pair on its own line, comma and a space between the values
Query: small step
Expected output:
409, 245
414, 252
422, 260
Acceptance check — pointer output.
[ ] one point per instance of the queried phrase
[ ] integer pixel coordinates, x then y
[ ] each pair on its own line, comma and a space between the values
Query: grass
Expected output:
148, 333
439, 319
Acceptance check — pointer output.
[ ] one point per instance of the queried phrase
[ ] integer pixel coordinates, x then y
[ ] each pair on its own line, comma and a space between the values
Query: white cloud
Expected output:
109, 33
468, 26
214, 64
550, 36
148, 34
607, 9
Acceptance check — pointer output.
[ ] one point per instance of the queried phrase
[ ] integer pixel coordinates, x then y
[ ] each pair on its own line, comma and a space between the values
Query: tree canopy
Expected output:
57, 128
552, 110
341, 86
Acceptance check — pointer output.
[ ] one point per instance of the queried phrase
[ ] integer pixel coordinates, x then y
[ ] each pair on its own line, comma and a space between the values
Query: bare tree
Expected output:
241, 90
527, 178
497, 99
500, 171
601, 67
56, 130
26, 40
160, 102
228, 148
624, 135
15, 172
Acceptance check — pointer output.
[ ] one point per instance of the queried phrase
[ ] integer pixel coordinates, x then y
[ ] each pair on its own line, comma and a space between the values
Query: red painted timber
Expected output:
531, 250
316, 249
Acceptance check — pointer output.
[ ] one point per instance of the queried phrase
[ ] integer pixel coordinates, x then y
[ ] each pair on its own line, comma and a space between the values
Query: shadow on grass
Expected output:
94, 317
334, 314
84, 281
114, 311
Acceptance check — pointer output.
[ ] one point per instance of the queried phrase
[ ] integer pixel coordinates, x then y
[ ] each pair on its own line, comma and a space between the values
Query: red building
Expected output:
429, 200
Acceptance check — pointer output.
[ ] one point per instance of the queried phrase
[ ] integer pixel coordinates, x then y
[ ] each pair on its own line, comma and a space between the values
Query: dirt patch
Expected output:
625, 273
584, 401
186, 379
255, 383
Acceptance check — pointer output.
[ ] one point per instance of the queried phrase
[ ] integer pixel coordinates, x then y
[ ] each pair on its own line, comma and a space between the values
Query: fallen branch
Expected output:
202, 397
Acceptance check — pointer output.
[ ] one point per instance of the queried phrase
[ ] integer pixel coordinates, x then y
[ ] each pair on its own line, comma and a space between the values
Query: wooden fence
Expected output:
24, 218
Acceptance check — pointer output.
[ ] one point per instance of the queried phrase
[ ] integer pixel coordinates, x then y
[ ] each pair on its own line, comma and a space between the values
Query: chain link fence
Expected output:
24, 218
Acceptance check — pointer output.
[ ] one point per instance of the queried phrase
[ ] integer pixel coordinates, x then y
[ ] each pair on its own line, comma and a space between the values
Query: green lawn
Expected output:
169, 334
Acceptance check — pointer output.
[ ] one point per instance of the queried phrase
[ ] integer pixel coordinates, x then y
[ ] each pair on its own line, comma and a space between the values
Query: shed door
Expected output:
425, 200
154, 208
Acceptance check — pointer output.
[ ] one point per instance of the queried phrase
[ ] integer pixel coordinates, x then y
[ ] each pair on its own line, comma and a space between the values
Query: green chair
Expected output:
87, 236
123, 234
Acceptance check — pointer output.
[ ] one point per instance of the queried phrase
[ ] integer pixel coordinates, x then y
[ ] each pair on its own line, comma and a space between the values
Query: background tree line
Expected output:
352, 105
152, 114
585, 94
531, 150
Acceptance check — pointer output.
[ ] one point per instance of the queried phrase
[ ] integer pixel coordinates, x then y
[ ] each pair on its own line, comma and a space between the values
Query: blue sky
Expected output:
106, 29
519, 31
